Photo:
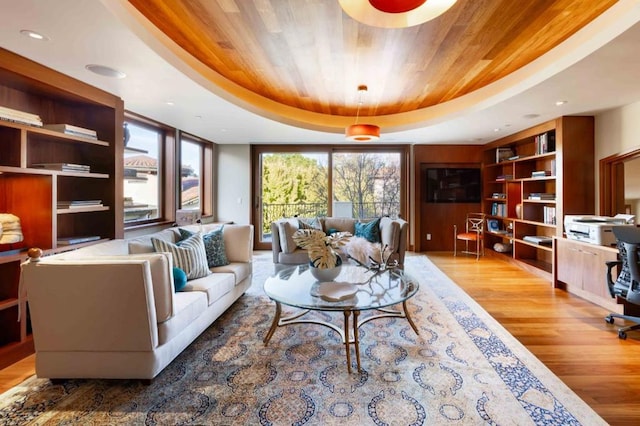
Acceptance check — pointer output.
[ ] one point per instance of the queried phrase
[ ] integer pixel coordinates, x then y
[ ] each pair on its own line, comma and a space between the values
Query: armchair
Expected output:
626, 288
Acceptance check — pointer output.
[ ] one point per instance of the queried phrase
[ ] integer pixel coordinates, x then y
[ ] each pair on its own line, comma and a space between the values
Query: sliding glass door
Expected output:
325, 181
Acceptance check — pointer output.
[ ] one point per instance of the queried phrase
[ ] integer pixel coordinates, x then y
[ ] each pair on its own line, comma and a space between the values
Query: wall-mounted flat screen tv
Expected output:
453, 185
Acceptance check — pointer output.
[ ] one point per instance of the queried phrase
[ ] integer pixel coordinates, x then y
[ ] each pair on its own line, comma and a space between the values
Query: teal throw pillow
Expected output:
369, 231
331, 231
179, 278
213, 246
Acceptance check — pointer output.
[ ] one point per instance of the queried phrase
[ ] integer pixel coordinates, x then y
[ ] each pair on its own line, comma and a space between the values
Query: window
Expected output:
190, 175
142, 171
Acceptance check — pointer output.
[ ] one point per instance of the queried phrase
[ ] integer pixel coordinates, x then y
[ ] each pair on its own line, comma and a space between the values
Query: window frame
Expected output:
207, 172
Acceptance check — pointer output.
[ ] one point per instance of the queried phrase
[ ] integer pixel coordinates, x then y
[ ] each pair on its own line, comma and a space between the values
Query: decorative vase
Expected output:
326, 274
519, 210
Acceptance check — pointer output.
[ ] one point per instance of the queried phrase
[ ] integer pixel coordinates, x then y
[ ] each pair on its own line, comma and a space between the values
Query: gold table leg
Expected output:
356, 338
346, 338
274, 324
406, 314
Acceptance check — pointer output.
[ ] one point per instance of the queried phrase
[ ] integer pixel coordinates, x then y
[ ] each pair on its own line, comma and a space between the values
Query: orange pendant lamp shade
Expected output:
362, 132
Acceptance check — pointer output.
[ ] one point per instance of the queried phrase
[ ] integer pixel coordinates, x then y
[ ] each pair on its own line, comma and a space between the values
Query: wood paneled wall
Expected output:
439, 219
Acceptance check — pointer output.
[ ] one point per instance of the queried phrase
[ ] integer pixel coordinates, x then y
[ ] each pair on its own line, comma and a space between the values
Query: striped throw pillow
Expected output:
188, 255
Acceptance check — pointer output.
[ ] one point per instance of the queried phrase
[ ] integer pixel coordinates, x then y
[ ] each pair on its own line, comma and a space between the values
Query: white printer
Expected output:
595, 229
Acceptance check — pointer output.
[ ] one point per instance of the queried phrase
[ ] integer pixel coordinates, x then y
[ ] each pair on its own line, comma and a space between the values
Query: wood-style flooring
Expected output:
567, 333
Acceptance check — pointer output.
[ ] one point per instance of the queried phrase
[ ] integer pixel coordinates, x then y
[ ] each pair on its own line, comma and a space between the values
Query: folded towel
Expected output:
10, 230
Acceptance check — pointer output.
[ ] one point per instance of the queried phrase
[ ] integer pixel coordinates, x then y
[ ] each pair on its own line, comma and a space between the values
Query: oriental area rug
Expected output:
463, 368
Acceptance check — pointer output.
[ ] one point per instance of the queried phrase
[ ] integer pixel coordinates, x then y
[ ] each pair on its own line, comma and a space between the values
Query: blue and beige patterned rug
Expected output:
463, 368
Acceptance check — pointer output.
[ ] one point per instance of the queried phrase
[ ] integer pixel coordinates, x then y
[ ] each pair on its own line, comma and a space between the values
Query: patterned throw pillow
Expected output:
213, 246
188, 255
370, 230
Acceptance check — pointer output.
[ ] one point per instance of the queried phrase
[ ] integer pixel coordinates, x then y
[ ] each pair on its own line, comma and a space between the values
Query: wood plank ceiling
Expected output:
309, 54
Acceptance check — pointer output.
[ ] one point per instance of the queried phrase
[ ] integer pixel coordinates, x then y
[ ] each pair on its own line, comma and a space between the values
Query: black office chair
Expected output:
626, 288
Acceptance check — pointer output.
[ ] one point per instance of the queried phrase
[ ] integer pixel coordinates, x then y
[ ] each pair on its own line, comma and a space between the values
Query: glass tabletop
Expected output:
357, 287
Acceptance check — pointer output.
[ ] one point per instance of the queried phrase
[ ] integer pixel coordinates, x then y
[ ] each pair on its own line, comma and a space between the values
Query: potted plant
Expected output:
324, 260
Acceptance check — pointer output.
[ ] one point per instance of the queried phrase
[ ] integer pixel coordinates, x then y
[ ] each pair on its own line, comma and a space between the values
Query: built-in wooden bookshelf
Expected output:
32, 193
550, 174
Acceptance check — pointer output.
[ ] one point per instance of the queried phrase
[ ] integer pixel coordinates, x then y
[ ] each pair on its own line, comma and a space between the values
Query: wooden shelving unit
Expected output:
32, 193
571, 164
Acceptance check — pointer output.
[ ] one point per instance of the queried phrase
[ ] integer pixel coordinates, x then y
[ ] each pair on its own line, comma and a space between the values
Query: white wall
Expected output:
233, 189
616, 131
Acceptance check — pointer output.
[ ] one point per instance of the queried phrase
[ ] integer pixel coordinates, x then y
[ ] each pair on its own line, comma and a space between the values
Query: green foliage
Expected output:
293, 179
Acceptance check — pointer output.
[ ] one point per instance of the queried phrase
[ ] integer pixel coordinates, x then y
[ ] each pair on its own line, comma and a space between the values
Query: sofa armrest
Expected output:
238, 242
276, 247
91, 305
394, 234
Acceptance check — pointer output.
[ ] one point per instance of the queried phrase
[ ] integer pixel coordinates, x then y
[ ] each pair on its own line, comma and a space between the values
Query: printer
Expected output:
595, 229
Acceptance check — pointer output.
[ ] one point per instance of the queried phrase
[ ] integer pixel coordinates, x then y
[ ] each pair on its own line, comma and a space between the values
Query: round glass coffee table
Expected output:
356, 289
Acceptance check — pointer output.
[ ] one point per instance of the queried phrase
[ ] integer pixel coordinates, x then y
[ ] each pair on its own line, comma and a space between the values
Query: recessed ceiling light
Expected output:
497, 129
199, 117
34, 35
558, 103
170, 103
105, 71
531, 116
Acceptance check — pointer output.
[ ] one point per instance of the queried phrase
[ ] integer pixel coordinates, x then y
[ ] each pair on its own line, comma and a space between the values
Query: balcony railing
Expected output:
273, 212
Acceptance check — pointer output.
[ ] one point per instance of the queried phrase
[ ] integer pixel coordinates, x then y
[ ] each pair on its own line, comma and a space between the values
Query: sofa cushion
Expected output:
286, 229
215, 285
188, 255
341, 224
213, 246
189, 306
241, 270
368, 230
179, 278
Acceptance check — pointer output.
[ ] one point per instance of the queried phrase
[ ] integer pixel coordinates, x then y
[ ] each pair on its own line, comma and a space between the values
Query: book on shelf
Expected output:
503, 154
549, 215
63, 167
68, 129
504, 177
499, 209
70, 204
66, 241
17, 116
545, 142
538, 239
542, 196
540, 173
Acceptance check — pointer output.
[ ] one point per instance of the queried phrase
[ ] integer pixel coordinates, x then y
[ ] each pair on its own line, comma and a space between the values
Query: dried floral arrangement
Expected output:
320, 247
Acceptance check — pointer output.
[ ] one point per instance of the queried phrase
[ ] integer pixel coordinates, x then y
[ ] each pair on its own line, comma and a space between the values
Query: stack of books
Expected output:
542, 196
540, 173
499, 209
66, 241
63, 167
504, 177
21, 117
499, 195
68, 129
74, 204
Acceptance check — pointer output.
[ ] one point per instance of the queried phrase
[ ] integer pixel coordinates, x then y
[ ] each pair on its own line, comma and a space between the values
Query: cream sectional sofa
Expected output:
109, 310
393, 234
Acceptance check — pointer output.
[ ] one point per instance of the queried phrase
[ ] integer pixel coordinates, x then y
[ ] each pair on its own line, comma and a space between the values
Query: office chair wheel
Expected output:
622, 335
609, 319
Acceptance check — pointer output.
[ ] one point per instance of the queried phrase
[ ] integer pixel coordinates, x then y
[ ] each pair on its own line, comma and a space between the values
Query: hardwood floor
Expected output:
567, 333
